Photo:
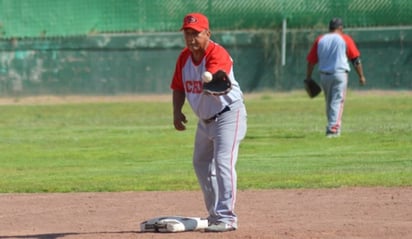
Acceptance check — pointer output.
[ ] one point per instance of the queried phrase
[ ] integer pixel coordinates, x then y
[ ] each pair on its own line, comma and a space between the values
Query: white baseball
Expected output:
207, 77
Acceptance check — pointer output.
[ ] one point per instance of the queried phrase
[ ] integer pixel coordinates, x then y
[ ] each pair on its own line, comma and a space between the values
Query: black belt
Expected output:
226, 109
331, 73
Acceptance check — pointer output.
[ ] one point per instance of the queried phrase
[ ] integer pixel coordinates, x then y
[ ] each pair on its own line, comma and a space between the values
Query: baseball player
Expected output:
331, 51
222, 120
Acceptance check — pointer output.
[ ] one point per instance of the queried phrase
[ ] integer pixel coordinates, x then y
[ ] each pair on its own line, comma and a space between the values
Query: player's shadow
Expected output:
277, 136
62, 235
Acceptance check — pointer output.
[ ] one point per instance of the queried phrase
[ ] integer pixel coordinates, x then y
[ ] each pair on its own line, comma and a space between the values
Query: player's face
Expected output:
196, 41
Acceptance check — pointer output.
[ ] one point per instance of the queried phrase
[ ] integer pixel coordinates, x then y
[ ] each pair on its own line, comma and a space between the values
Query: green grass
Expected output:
132, 146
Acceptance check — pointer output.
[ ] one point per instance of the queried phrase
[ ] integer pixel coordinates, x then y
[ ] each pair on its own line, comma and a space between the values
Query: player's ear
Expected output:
208, 33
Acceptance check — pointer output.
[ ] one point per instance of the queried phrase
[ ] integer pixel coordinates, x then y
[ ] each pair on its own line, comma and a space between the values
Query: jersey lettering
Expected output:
194, 87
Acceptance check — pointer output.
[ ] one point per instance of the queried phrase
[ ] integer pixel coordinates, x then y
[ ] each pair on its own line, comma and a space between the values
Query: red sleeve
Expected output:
351, 50
177, 81
313, 53
217, 58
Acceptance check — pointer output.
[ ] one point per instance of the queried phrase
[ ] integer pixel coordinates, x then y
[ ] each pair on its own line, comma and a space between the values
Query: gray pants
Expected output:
214, 160
334, 87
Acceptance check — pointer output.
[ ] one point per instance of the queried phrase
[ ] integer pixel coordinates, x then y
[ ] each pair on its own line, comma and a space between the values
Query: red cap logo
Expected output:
189, 20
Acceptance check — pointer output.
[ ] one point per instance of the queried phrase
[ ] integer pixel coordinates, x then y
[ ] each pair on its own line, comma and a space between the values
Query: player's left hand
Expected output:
219, 85
362, 80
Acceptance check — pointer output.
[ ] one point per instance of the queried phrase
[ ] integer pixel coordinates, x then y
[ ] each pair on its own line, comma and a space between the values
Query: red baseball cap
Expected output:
195, 21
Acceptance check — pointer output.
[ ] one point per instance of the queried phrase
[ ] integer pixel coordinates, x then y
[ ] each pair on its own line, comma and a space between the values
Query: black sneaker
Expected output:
333, 135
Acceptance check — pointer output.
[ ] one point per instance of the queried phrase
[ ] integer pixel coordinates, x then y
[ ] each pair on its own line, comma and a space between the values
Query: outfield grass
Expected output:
132, 146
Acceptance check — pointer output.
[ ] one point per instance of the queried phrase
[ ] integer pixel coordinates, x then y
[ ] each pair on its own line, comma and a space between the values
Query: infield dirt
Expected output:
375, 213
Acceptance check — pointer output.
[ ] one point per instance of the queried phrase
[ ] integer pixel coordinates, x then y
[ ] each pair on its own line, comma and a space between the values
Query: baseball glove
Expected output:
311, 87
219, 85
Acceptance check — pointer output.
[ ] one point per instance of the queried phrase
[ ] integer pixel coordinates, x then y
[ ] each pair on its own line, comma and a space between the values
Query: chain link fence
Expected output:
54, 18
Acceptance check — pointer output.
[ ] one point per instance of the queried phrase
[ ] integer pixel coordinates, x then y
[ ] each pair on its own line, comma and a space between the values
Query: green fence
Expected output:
51, 18
144, 63
130, 46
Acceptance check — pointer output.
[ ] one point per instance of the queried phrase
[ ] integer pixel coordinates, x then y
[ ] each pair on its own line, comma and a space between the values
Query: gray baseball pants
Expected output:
334, 87
214, 160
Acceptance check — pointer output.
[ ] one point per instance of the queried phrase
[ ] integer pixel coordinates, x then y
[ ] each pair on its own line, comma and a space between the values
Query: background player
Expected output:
222, 120
332, 51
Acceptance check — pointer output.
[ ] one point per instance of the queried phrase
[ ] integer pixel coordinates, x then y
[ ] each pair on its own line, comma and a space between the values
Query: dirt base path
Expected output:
349, 213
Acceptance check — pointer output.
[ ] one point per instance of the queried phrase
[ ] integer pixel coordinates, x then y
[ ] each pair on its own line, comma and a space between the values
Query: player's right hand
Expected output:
179, 121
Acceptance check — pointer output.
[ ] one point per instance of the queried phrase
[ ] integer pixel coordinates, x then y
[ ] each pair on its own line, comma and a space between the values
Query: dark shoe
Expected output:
220, 227
332, 135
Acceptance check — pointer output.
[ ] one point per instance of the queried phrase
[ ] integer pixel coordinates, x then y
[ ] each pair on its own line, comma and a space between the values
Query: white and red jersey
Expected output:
332, 51
187, 78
